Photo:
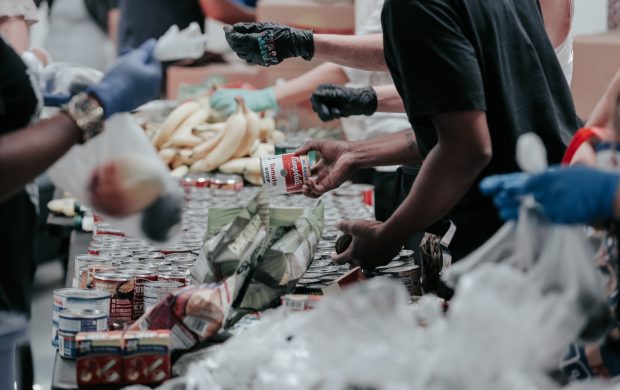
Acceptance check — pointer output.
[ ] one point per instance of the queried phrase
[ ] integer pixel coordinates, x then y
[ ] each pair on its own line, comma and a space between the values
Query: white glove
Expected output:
189, 43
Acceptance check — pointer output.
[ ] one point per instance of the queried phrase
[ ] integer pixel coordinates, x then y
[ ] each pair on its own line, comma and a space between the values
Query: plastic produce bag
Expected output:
144, 200
556, 259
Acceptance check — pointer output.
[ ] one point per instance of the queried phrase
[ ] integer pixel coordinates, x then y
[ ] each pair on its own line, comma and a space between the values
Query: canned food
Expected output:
196, 180
175, 249
108, 239
286, 173
155, 291
227, 182
388, 267
83, 321
76, 299
179, 275
121, 287
406, 255
116, 254
87, 272
86, 260
181, 257
67, 346
410, 276
141, 276
151, 256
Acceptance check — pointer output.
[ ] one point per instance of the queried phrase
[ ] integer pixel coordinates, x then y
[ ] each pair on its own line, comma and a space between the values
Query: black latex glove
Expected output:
332, 101
269, 43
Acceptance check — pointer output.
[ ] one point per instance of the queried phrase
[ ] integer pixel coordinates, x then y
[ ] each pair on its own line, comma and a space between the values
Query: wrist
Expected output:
391, 234
367, 100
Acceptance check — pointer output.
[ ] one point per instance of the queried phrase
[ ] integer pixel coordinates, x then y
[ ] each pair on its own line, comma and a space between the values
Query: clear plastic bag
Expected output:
124, 142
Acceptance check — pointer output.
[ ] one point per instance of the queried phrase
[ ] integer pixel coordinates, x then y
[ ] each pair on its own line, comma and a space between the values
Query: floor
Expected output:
49, 276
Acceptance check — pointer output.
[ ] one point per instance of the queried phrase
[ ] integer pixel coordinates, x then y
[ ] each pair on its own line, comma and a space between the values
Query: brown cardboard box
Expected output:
597, 58
178, 76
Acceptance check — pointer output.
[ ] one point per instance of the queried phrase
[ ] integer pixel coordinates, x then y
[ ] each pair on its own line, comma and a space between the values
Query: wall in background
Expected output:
590, 16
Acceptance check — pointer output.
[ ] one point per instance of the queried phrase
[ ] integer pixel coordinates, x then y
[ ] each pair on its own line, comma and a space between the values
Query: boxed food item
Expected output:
146, 357
300, 302
99, 358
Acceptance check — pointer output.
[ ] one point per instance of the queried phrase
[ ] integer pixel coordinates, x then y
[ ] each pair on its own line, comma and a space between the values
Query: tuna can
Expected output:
86, 260
83, 321
181, 257
155, 291
286, 173
410, 276
141, 276
116, 254
76, 299
121, 287
181, 276
227, 182
151, 256
87, 272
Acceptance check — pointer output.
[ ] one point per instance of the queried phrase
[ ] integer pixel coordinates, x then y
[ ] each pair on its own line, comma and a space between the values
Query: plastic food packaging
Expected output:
120, 175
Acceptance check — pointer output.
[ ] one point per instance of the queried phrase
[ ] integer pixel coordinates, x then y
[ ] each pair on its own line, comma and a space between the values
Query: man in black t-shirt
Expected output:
473, 76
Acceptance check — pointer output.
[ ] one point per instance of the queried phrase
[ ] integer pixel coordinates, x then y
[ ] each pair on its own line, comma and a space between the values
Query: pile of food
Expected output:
196, 138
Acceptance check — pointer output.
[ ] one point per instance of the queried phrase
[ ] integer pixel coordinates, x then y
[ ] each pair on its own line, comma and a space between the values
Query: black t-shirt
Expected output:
487, 55
142, 20
18, 103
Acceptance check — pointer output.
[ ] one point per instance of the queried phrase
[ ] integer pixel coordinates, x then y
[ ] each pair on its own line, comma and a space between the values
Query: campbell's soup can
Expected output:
141, 276
88, 271
286, 173
121, 287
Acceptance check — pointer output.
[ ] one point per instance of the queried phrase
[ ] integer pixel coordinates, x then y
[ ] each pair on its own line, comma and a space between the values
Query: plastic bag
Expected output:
124, 142
189, 43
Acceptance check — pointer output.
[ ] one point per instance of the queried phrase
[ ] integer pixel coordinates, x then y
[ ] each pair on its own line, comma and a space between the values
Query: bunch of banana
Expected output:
193, 139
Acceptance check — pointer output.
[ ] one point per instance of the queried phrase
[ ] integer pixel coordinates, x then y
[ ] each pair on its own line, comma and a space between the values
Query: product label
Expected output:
285, 174
121, 303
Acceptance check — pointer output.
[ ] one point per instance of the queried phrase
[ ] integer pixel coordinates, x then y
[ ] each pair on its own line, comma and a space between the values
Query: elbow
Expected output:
478, 158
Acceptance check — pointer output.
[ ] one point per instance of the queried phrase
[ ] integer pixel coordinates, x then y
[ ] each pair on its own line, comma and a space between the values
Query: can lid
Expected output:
113, 276
80, 293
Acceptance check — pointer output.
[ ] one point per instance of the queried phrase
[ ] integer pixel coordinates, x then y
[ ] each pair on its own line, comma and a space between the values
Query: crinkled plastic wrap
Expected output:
157, 196
500, 333
286, 255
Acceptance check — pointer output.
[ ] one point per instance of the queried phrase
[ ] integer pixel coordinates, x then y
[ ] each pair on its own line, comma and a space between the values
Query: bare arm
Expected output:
557, 17
15, 31
462, 152
227, 11
388, 99
114, 16
392, 149
300, 89
361, 52
26, 153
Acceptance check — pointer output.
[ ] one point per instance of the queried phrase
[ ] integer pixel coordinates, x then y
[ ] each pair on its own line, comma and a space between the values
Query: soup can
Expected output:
121, 287
285, 173
227, 182
155, 291
179, 275
76, 299
67, 346
86, 260
141, 276
410, 276
87, 272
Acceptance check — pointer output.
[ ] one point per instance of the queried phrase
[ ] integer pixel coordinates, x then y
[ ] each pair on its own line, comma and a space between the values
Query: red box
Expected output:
99, 358
146, 357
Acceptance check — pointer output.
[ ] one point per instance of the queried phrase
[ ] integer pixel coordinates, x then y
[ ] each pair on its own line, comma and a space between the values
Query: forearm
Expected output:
361, 52
299, 89
114, 16
444, 179
393, 149
388, 99
26, 153
227, 11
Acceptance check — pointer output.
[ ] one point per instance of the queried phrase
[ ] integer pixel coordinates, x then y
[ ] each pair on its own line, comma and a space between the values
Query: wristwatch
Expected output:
87, 114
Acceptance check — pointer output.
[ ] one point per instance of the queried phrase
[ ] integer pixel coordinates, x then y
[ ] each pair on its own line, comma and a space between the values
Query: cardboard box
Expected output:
323, 18
99, 358
597, 58
146, 357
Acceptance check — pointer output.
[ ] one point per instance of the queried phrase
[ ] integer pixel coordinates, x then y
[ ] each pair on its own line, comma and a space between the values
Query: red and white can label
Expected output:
286, 173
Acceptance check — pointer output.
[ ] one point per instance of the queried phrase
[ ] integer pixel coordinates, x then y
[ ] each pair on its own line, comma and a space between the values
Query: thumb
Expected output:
347, 226
309, 146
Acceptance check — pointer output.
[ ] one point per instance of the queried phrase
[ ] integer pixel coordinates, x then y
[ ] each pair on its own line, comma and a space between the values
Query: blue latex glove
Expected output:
223, 100
134, 80
566, 195
50, 100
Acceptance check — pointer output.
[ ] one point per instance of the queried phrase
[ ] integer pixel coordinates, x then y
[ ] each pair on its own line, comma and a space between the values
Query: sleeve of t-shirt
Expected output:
436, 64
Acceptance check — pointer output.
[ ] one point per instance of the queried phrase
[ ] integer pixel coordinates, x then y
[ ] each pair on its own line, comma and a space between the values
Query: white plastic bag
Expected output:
123, 140
189, 43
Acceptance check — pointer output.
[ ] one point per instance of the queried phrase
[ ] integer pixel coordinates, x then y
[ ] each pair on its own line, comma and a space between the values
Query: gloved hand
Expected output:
224, 101
269, 43
332, 101
189, 43
134, 80
566, 195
